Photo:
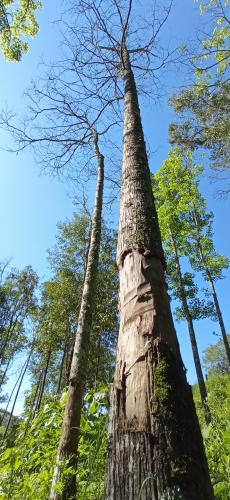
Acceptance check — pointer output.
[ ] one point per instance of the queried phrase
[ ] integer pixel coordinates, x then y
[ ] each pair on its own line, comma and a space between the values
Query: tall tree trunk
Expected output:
154, 444
17, 392
7, 340
2, 382
192, 335
70, 432
43, 382
11, 395
33, 405
36, 395
213, 289
60, 378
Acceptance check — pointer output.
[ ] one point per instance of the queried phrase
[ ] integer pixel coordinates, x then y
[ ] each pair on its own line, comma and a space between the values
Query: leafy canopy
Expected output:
17, 21
203, 108
176, 188
215, 360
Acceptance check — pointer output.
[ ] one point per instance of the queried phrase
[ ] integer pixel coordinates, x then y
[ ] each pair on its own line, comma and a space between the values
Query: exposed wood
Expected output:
154, 441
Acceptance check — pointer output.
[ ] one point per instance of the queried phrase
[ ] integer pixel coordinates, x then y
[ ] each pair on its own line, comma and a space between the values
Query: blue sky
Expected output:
31, 204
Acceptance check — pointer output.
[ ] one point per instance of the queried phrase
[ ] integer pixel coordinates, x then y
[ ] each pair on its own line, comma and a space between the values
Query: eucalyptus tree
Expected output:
17, 21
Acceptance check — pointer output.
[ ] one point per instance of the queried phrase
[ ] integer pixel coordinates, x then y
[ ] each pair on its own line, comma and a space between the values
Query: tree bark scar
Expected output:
121, 393
140, 357
142, 250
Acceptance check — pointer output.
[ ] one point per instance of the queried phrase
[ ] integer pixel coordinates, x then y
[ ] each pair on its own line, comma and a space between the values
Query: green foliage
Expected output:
215, 360
186, 224
26, 468
17, 21
215, 48
17, 304
217, 435
203, 109
176, 190
57, 318
203, 120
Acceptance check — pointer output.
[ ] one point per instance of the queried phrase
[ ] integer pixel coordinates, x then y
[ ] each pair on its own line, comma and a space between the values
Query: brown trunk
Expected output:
212, 287
192, 335
68, 444
154, 444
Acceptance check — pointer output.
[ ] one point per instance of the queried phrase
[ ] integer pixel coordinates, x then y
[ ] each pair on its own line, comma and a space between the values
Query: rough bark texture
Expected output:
213, 289
155, 446
68, 444
192, 336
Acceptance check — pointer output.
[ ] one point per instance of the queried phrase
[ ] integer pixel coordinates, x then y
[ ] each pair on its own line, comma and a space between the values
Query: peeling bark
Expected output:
154, 441
70, 433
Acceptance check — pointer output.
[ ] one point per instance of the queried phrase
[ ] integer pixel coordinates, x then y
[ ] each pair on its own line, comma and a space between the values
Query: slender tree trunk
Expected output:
70, 432
4, 374
219, 315
213, 289
36, 395
43, 382
60, 379
7, 341
33, 405
155, 447
11, 395
17, 393
192, 335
